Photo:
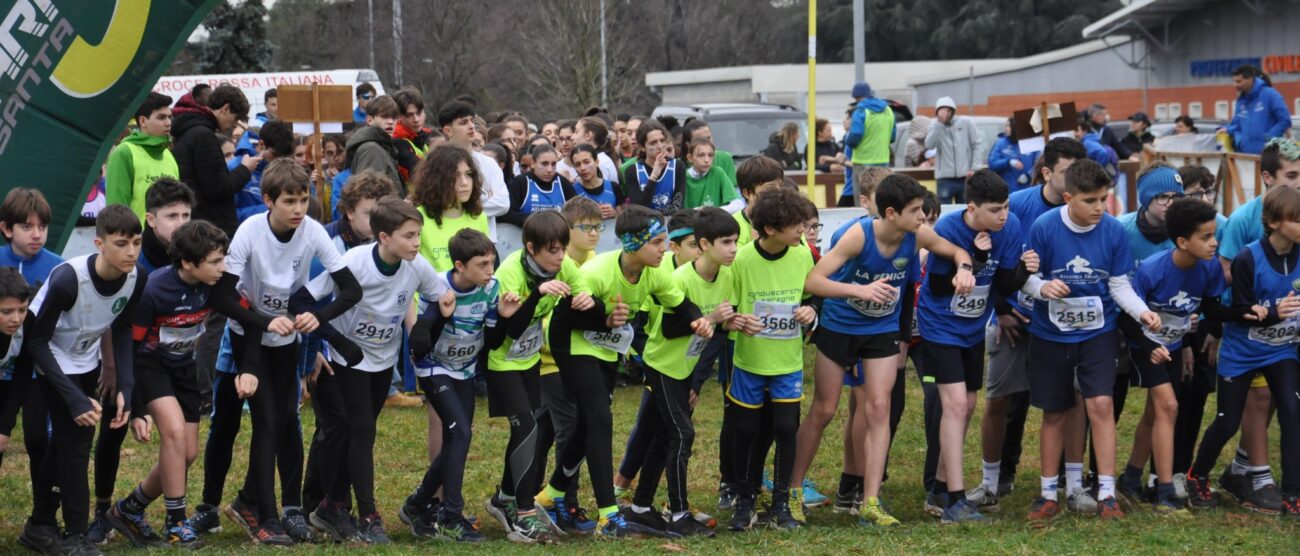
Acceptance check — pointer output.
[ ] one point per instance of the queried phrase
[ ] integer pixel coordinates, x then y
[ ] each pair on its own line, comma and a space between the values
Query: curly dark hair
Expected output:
433, 187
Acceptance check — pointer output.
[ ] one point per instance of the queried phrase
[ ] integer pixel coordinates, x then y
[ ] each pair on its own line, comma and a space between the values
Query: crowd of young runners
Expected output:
718, 272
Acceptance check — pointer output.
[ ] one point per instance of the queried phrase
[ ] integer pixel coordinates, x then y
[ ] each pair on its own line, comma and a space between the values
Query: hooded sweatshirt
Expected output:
1260, 115
134, 165
410, 146
370, 148
203, 166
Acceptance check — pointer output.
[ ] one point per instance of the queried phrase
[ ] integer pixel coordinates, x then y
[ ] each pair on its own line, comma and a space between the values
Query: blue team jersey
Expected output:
1244, 226
854, 316
1027, 205
1246, 348
1085, 262
958, 320
664, 188
537, 199
1175, 294
35, 270
1138, 244
605, 197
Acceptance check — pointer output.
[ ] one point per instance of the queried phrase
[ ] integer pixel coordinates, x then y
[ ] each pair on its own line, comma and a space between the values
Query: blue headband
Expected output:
680, 233
633, 242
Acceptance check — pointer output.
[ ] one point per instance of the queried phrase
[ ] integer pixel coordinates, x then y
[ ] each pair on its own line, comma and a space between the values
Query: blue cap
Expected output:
1158, 181
861, 90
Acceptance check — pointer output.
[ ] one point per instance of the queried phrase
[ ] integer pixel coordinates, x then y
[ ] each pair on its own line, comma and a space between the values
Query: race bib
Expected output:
458, 349
1172, 328
1076, 313
777, 319
1280, 334
179, 340
274, 299
872, 308
86, 341
1026, 302
618, 339
697, 345
376, 332
970, 305
528, 344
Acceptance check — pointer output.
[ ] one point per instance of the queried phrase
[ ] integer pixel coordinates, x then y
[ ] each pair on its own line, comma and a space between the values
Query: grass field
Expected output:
401, 460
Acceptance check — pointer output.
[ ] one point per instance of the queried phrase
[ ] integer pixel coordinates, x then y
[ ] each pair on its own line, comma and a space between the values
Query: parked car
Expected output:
742, 129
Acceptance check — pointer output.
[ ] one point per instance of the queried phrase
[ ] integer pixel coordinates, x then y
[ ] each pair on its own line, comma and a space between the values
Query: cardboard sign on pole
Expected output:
316, 104
1033, 127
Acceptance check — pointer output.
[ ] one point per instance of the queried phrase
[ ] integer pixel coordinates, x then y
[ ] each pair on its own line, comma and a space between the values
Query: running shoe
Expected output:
206, 520
528, 528
182, 535
726, 497
454, 526
1265, 500
1043, 510
1237, 486
986, 501
743, 516
781, 516
797, 506
847, 502
935, 503
243, 516
1290, 507
688, 526
422, 521
135, 527
812, 498
874, 514
964, 511
270, 533
335, 521
699, 516
78, 545
649, 522
1108, 508
1198, 493
100, 531
295, 524
1171, 509
1081, 502
1132, 493
504, 511
371, 530
44, 539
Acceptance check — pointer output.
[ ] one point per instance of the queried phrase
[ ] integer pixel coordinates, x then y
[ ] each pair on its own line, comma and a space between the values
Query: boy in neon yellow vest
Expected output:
143, 156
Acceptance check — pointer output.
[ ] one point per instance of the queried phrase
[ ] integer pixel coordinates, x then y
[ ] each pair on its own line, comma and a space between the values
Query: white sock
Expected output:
992, 470
1151, 481
1240, 462
640, 509
1073, 477
1261, 476
1105, 487
1049, 487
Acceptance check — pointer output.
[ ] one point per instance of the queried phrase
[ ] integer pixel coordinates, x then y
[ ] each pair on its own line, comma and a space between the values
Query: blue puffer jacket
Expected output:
1260, 115
1000, 157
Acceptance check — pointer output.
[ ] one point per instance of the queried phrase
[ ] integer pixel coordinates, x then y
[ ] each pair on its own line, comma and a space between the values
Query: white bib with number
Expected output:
179, 340
618, 339
1026, 301
872, 308
777, 320
1172, 328
528, 344
458, 349
697, 345
1076, 313
376, 331
1279, 334
970, 305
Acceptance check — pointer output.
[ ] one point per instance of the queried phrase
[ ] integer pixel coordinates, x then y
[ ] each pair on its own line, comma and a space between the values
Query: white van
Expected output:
255, 85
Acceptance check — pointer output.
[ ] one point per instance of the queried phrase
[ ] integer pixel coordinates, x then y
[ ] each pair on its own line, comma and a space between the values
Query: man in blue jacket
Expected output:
870, 134
1260, 113
1006, 159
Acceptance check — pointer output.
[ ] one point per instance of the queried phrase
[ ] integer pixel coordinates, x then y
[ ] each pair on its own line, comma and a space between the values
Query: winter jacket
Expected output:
1134, 142
1000, 157
827, 148
134, 165
775, 150
1103, 155
917, 129
957, 142
203, 166
410, 145
1260, 115
370, 148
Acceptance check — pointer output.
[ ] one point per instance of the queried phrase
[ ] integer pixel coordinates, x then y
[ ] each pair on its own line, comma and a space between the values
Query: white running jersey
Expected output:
375, 323
75, 343
270, 271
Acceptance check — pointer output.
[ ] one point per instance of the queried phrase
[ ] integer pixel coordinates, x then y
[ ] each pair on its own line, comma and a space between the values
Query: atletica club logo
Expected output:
118, 305
1295, 284
901, 263
1079, 270
1182, 300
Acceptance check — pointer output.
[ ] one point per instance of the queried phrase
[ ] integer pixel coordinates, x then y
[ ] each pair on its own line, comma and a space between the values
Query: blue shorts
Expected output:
752, 391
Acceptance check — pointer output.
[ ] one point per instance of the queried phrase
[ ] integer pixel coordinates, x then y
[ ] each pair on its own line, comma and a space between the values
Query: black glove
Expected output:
421, 340
352, 354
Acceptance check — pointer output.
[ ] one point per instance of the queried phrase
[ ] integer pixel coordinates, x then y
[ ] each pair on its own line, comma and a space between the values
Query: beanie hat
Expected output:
945, 102
1158, 181
861, 90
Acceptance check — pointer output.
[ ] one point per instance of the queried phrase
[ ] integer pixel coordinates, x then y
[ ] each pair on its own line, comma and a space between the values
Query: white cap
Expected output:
945, 102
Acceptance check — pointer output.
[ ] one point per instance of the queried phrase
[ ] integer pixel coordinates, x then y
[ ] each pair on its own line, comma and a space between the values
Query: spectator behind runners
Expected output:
1260, 113
169, 205
371, 147
870, 133
957, 141
1005, 159
1185, 125
1098, 117
199, 156
365, 93
409, 137
142, 157
1139, 133
271, 102
456, 120
828, 152
783, 147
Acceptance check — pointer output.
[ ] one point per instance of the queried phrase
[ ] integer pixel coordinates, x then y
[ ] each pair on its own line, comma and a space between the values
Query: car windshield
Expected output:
747, 137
